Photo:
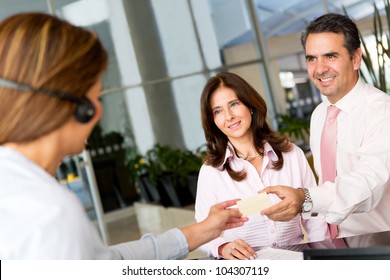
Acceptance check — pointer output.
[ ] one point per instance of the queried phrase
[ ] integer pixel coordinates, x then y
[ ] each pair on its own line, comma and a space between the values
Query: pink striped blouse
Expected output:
216, 186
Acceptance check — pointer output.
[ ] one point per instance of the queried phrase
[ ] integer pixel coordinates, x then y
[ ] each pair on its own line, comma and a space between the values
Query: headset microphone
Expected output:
84, 110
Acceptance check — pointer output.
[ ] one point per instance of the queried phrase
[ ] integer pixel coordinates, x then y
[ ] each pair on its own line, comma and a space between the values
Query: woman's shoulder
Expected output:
208, 169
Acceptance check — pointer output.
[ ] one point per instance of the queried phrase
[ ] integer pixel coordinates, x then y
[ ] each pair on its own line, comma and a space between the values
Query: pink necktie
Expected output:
328, 152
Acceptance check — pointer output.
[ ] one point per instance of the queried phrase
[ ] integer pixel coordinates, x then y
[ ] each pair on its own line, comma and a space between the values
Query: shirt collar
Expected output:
268, 151
229, 153
349, 101
24, 162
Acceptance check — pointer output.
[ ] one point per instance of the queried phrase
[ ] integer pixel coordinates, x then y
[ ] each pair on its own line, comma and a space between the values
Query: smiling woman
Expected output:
244, 155
231, 116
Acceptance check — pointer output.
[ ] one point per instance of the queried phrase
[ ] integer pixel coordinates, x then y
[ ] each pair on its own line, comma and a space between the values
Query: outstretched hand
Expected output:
220, 218
224, 218
289, 207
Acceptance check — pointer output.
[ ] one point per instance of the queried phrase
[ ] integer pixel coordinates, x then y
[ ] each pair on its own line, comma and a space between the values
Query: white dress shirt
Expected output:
40, 219
359, 200
215, 186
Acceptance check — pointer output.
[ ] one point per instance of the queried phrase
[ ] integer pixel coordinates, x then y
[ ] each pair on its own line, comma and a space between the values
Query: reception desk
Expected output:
374, 246
361, 247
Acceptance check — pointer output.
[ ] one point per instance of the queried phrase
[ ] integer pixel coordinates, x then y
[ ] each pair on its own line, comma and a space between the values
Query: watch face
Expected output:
307, 206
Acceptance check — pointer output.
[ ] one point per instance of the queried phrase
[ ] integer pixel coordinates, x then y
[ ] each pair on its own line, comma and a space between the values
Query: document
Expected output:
278, 254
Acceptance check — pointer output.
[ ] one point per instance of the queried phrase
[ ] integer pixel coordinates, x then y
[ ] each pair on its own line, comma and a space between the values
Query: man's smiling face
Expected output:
330, 66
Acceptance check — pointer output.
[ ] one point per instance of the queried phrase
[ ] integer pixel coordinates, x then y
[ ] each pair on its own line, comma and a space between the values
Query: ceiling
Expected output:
281, 17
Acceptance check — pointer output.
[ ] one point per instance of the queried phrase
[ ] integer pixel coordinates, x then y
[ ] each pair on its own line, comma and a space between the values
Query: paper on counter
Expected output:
278, 254
254, 204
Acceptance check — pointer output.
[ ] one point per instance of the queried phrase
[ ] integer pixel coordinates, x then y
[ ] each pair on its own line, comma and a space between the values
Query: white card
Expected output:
254, 204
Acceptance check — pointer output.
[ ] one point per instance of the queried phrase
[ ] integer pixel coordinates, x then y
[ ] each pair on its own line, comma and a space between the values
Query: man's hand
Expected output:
289, 207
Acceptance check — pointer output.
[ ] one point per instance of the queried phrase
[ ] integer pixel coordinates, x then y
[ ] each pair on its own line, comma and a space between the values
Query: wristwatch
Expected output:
308, 203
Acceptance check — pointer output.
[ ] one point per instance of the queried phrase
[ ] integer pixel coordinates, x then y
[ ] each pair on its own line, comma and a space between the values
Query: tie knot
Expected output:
332, 112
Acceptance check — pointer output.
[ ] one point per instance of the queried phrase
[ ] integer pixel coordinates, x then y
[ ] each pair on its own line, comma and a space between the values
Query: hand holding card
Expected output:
254, 204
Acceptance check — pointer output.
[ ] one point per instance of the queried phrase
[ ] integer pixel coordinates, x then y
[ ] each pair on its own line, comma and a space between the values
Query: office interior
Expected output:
161, 55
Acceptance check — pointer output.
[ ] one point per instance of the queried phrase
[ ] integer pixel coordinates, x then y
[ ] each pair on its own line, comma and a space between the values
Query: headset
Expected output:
84, 111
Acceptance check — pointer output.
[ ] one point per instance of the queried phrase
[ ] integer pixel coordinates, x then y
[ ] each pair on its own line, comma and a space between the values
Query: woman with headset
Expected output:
50, 83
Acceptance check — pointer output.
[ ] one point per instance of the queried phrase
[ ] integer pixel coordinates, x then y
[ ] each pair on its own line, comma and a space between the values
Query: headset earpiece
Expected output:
85, 110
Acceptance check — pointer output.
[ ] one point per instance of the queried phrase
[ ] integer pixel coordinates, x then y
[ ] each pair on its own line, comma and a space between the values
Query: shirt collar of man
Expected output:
347, 103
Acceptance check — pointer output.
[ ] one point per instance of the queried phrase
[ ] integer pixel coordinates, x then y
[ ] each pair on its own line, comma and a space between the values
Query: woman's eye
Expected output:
235, 103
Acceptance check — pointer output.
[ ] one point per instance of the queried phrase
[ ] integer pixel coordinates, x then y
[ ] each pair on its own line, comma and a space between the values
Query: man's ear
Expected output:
357, 59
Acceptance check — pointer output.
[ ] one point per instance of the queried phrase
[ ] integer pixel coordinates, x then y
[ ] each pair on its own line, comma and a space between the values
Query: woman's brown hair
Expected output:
217, 141
43, 51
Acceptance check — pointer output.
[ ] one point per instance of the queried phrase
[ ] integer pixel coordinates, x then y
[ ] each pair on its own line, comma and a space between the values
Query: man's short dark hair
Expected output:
336, 23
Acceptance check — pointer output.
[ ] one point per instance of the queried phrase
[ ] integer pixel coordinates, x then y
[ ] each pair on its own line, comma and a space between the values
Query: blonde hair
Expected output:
43, 51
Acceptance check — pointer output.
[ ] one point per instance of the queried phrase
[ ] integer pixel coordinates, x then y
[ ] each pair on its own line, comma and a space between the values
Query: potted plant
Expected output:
295, 128
167, 174
190, 166
111, 172
375, 65
137, 170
